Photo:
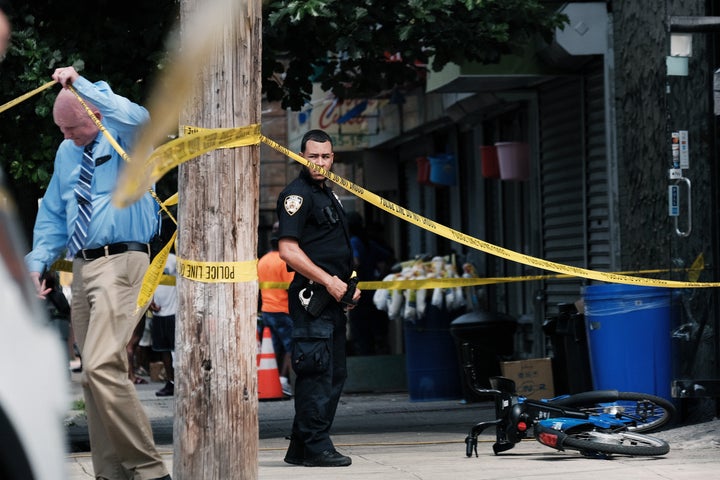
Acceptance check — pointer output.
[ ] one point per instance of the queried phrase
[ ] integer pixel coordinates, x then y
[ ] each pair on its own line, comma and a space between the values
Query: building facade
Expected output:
596, 111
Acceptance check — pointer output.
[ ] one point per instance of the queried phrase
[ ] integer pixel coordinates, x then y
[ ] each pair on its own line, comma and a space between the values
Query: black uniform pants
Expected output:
319, 363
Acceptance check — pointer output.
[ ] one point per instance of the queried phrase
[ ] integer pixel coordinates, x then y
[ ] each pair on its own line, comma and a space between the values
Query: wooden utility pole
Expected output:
216, 422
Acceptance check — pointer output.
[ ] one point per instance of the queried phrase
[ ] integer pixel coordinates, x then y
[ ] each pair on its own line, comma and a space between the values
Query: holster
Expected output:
314, 298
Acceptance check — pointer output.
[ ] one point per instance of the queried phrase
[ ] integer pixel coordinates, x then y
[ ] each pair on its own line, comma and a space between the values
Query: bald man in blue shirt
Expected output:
109, 247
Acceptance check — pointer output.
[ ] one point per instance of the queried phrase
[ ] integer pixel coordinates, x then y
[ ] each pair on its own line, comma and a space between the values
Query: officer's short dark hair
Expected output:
316, 136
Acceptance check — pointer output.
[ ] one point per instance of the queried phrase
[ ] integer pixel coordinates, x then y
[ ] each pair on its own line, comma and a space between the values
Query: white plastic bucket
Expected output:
513, 160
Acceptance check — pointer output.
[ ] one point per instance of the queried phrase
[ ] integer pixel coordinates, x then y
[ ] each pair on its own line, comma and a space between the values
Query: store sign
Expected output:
350, 123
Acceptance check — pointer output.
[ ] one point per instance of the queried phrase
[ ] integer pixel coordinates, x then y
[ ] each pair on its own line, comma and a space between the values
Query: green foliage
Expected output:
345, 45
120, 42
354, 48
78, 404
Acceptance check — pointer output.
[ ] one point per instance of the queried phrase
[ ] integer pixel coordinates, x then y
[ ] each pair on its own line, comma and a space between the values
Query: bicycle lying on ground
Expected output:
597, 423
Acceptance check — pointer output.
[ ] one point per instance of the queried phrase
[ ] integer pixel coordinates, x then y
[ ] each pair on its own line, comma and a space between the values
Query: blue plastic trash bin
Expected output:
432, 367
629, 337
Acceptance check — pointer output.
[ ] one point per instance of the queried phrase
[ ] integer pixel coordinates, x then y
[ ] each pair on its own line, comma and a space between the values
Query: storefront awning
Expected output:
512, 72
584, 35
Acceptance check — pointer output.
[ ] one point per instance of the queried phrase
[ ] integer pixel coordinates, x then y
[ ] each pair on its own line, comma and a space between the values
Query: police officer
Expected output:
314, 242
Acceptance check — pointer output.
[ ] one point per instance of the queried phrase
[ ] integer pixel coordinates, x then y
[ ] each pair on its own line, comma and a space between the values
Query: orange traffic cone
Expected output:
268, 376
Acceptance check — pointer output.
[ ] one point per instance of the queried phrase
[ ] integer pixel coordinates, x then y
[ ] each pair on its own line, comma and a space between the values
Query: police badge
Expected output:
292, 204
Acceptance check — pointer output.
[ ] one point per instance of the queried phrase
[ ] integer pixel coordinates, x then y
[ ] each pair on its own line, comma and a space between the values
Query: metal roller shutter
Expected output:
573, 170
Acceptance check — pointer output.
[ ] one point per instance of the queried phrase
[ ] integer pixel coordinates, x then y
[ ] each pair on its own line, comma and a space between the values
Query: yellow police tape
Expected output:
153, 274
476, 243
431, 283
25, 96
218, 272
141, 175
66, 266
426, 283
196, 141
452, 282
199, 140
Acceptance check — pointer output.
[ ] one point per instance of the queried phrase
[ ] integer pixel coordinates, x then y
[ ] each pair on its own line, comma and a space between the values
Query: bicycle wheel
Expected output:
642, 412
595, 442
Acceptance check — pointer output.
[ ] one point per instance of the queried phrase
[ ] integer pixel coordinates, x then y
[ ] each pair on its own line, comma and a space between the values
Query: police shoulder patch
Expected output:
292, 204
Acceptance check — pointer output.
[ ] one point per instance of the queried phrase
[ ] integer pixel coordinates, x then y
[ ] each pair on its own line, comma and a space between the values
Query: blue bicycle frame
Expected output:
515, 416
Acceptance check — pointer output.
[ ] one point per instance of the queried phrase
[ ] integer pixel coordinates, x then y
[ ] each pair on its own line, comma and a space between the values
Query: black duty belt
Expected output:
112, 249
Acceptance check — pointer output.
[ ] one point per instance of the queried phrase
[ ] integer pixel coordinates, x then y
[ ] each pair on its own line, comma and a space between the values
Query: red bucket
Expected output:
423, 170
489, 161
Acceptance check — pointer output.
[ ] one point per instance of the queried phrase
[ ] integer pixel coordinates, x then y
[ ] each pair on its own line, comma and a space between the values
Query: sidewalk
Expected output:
389, 437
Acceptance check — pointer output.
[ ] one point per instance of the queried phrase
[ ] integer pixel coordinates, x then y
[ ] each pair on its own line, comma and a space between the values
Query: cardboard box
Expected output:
533, 377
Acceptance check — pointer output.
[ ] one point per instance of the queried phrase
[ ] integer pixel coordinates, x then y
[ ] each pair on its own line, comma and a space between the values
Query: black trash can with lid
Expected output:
482, 338
571, 357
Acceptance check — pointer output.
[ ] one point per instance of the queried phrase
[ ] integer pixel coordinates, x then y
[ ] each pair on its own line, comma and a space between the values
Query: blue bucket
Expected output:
442, 169
629, 332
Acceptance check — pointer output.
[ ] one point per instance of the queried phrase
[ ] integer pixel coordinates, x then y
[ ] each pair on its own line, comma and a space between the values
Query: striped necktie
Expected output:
84, 199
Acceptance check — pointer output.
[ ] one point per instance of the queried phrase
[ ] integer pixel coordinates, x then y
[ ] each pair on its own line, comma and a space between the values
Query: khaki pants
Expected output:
104, 314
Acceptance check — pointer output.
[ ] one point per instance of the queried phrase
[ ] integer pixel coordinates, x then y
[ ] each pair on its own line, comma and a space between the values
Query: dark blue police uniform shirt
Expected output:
312, 214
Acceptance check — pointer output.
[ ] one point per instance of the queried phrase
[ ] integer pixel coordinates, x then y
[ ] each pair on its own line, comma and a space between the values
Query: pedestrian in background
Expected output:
368, 325
110, 251
164, 308
137, 351
274, 307
314, 241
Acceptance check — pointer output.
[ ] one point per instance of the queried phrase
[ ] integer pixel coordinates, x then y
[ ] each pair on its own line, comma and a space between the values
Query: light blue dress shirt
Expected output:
58, 209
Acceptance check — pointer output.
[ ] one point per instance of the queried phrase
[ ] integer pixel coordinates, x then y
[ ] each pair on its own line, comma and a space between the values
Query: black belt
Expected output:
112, 249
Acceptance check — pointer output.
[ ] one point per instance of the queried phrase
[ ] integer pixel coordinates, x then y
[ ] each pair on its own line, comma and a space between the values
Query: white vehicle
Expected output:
33, 370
